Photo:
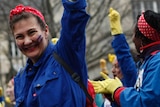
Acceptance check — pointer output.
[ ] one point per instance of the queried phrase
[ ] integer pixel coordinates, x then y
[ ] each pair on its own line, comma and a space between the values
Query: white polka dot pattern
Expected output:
147, 30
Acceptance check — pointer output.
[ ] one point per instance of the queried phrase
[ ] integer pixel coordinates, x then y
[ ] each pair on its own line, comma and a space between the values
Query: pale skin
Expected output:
30, 38
116, 70
137, 42
10, 91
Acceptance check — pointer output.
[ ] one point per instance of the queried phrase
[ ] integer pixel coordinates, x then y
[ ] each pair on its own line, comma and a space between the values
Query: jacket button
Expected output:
38, 85
54, 73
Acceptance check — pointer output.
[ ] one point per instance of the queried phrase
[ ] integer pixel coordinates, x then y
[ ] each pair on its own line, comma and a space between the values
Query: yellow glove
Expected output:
2, 104
115, 25
54, 40
103, 66
107, 86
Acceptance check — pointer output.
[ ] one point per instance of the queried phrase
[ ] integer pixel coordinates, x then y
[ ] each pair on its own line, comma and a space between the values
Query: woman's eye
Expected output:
31, 33
19, 37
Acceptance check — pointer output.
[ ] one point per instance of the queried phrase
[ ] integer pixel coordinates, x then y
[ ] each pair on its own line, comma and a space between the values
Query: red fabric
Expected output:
149, 45
117, 94
92, 93
155, 52
21, 8
147, 30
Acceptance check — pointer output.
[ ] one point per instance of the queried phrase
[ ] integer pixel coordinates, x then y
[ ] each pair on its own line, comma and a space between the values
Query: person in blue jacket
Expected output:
124, 66
122, 51
145, 92
43, 82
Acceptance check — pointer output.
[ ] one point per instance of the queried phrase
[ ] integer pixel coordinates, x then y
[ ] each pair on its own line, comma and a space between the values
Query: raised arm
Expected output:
122, 50
72, 42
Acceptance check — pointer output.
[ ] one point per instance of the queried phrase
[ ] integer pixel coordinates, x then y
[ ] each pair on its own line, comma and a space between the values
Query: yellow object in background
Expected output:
1, 91
111, 58
103, 66
7, 99
54, 40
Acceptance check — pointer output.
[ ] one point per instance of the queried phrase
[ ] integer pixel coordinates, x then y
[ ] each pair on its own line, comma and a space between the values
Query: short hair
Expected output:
26, 15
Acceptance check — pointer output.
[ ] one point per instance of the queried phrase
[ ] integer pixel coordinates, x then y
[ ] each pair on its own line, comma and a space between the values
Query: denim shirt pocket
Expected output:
47, 77
42, 88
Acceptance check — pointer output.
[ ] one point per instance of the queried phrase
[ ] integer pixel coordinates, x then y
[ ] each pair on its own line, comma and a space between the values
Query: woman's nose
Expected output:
113, 70
27, 40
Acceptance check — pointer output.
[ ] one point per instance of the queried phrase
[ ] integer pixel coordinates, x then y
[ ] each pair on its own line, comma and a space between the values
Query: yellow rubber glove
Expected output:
2, 104
107, 86
103, 66
115, 24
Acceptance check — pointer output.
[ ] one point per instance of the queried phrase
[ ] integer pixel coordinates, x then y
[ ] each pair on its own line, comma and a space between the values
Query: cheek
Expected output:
118, 71
19, 44
133, 39
113, 70
35, 37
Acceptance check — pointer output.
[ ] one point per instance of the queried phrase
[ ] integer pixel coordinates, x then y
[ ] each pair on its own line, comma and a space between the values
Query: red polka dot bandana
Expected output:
147, 30
21, 8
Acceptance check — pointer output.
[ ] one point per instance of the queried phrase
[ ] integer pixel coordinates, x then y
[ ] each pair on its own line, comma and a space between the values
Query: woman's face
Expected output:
10, 91
30, 38
116, 70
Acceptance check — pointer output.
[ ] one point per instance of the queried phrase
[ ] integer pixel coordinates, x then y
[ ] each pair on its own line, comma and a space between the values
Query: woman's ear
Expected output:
142, 44
46, 31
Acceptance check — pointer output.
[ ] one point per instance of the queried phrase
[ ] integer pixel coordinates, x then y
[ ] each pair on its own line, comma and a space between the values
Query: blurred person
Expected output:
145, 93
10, 98
116, 70
43, 82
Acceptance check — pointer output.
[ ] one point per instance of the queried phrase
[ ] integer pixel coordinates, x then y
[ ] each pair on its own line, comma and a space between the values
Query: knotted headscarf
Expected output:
147, 30
21, 8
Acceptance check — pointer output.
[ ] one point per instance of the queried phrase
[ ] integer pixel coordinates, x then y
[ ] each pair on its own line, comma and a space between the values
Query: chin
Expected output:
32, 55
